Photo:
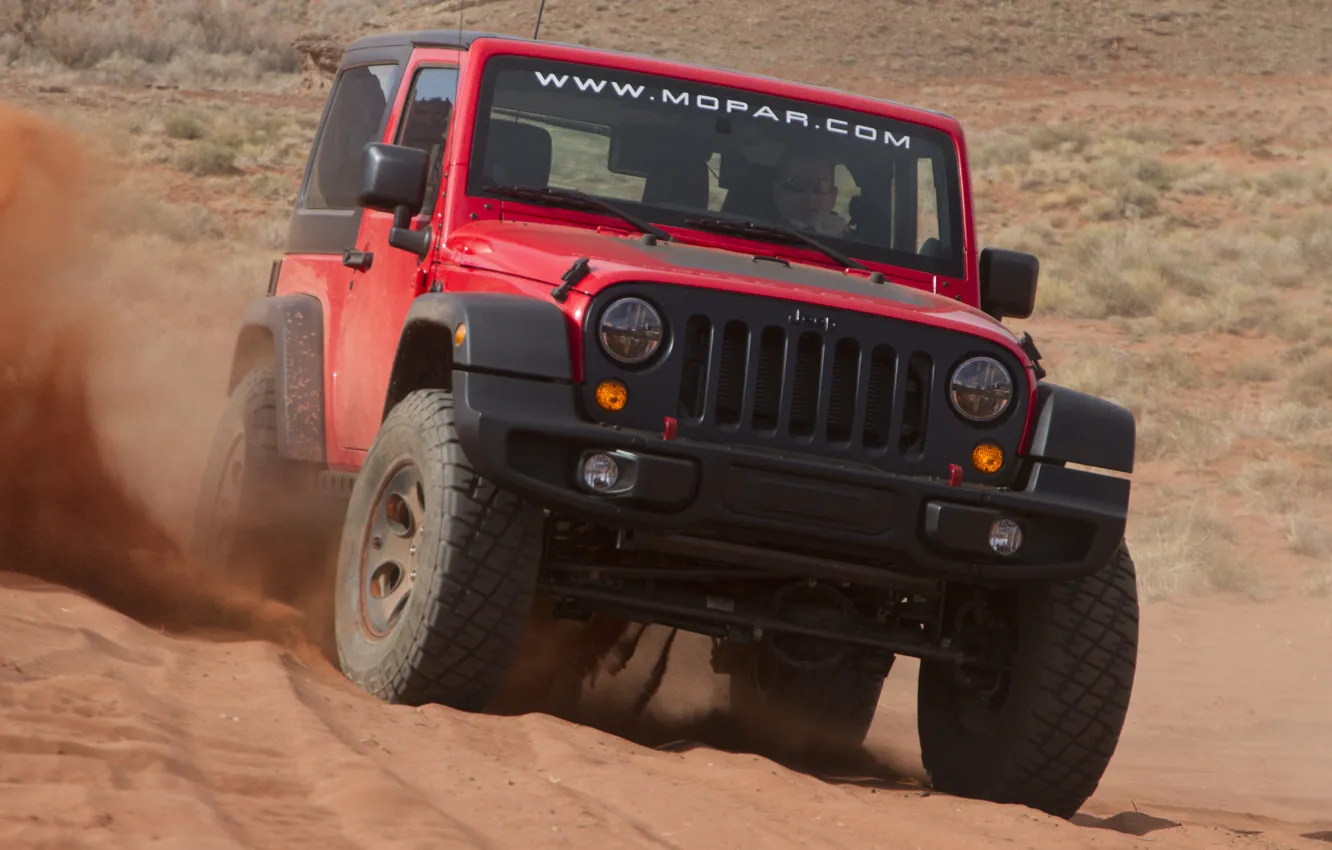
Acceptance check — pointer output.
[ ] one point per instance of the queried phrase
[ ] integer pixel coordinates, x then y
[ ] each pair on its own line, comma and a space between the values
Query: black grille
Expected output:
765, 373
804, 385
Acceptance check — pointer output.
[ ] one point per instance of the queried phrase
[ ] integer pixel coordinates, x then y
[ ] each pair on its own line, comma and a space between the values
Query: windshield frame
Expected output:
948, 160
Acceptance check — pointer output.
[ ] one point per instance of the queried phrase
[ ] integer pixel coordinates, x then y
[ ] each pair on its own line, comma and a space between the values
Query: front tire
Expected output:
1042, 733
437, 569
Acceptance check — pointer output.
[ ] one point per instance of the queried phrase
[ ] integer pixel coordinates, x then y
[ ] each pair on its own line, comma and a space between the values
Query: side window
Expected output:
355, 118
425, 121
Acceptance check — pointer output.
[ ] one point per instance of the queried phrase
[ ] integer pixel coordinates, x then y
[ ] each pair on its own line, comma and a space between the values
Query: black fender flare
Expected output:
287, 332
1074, 427
504, 333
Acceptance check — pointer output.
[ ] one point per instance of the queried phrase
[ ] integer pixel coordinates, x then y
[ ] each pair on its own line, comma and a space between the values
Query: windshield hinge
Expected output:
1029, 346
576, 272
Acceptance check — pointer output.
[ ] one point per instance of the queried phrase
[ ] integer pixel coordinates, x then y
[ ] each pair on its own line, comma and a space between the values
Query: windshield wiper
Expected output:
574, 198
769, 232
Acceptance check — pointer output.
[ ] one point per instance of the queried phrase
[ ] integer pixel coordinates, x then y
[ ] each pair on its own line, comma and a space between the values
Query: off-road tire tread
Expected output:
1075, 718
489, 553
256, 394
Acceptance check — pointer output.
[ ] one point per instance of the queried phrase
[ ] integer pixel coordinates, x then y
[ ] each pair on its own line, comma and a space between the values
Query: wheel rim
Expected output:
389, 557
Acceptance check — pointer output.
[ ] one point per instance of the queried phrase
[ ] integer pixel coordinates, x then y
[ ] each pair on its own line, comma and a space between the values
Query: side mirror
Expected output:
393, 179
1008, 283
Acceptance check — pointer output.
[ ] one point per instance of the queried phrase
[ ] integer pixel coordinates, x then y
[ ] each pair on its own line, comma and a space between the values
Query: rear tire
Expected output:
254, 521
437, 569
830, 706
1054, 721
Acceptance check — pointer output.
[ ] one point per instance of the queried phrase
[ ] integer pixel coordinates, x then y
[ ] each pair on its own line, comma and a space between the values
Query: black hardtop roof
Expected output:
427, 38
463, 39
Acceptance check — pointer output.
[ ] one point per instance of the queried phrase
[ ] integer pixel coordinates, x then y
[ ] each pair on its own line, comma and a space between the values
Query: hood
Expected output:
544, 252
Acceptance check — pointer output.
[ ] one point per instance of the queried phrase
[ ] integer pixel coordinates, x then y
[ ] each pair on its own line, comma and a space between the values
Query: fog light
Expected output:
600, 472
612, 395
987, 457
1005, 537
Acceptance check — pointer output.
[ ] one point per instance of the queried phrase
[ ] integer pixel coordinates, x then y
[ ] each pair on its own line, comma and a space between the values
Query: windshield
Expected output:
671, 150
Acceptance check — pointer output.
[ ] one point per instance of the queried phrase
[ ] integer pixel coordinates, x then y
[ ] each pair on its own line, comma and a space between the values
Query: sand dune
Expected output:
116, 734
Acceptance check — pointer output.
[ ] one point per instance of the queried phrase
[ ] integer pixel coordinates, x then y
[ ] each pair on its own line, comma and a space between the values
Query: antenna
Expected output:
462, 4
540, 10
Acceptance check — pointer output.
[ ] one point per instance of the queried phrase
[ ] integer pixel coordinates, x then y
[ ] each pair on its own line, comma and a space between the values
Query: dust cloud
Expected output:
66, 514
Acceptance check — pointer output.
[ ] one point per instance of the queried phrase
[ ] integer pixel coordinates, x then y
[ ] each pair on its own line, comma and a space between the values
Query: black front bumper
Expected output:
528, 436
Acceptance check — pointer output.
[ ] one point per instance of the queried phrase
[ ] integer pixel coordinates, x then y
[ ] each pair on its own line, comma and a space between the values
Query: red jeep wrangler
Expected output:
682, 346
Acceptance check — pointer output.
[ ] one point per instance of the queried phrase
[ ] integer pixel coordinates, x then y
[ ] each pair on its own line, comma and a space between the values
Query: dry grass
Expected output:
1123, 231
1290, 425
1155, 387
1307, 535
1286, 495
1189, 550
1311, 381
1253, 371
192, 42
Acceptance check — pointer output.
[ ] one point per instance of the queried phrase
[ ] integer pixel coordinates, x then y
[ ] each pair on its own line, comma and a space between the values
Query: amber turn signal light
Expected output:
612, 395
987, 457
460, 334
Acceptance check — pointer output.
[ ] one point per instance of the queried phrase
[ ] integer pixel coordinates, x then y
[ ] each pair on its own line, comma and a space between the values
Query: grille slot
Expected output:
697, 340
768, 386
805, 384
842, 395
731, 378
879, 397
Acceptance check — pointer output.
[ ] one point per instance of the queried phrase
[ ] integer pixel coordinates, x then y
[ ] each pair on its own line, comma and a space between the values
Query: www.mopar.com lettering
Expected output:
728, 106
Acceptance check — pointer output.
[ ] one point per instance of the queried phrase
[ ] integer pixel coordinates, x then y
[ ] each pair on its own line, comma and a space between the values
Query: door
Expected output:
326, 219
379, 294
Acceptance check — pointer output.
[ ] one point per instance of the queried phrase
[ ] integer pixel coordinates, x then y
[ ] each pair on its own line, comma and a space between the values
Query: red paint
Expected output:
505, 246
954, 475
671, 428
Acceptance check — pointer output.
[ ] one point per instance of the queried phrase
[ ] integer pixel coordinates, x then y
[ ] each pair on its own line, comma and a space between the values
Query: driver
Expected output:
805, 193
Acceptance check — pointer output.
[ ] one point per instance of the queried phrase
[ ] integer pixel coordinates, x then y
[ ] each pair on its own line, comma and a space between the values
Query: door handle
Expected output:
359, 260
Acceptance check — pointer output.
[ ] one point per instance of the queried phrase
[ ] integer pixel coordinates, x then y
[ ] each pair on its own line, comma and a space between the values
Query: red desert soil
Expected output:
116, 735
141, 706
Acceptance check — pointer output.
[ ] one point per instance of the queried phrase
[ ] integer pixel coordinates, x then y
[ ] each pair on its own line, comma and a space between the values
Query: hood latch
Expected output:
576, 272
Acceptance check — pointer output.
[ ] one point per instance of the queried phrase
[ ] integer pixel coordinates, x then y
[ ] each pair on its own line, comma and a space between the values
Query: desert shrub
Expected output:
208, 159
184, 125
995, 150
83, 35
1311, 382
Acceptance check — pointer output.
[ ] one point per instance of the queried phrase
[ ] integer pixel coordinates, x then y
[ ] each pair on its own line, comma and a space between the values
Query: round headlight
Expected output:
981, 389
631, 330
